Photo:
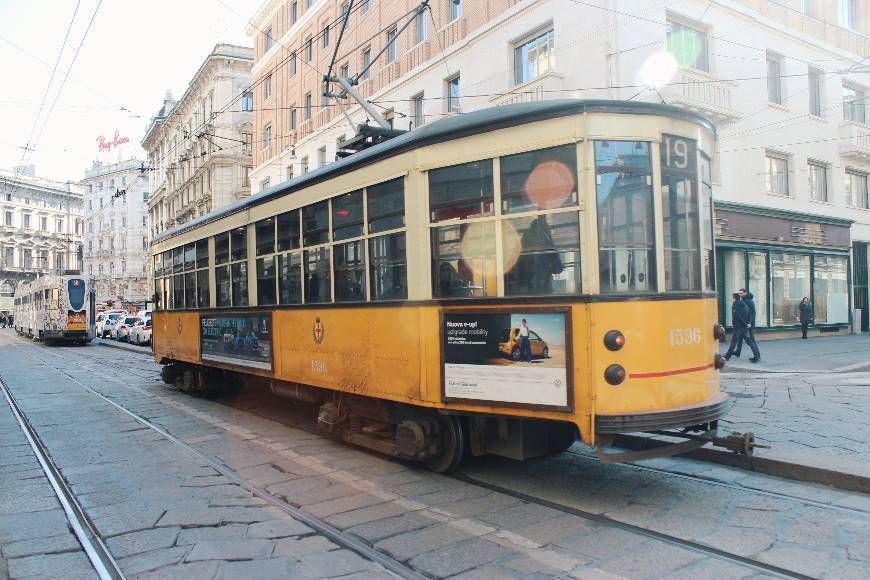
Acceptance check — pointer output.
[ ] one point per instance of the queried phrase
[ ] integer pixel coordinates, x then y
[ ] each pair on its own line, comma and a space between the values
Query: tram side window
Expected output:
626, 223
388, 272
239, 244
461, 191
158, 294
190, 256
178, 291
347, 216
680, 213
350, 272
317, 276
290, 279
315, 224
541, 254
539, 180
202, 253
222, 286
288, 231
707, 223
463, 260
265, 234
190, 290
178, 259
266, 282
222, 248
202, 293
386, 206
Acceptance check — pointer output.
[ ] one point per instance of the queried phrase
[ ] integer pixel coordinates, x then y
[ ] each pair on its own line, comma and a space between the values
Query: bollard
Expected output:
856, 321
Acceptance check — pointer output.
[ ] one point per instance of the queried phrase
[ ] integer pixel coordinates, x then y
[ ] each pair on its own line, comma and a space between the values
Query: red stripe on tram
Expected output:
669, 373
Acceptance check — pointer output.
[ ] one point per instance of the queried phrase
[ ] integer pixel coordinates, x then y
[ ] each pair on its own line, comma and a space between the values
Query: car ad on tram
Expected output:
515, 358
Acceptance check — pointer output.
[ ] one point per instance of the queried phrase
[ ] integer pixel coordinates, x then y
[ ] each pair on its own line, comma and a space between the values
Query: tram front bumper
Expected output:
687, 416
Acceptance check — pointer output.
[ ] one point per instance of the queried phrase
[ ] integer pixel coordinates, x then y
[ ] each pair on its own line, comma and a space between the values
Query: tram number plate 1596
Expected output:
681, 336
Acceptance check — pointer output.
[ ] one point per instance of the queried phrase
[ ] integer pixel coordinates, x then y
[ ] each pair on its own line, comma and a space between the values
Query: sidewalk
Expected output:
123, 345
847, 353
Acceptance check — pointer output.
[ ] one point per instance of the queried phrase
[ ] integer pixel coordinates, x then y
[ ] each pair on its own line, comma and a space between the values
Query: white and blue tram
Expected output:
55, 309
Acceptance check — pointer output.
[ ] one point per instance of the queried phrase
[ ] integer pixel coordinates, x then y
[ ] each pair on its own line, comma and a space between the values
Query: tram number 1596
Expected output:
681, 336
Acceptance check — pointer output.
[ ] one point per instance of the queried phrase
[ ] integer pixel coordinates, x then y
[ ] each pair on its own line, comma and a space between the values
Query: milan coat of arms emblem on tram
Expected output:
317, 331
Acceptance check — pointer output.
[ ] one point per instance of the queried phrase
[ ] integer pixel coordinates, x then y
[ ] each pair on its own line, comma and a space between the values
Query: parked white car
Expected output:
122, 328
106, 320
140, 332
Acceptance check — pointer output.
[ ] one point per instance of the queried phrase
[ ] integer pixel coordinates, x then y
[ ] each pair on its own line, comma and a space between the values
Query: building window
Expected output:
303, 163
453, 95
774, 78
321, 156
27, 221
294, 12
418, 114
421, 26
247, 140
344, 72
267, 136
455, 9
391, 46
688, 46
9, 218
365, 5
856, 189
830, 290
818, 181
791, 282
776, 177
853, 104
324, 37
309, 49
267, 37
847, 14
264, 185
814, 78
293, 117
267, 87
307, 106
289, 172
292, 64
626, 223
248, 101
808, 7
366, 61
534, 57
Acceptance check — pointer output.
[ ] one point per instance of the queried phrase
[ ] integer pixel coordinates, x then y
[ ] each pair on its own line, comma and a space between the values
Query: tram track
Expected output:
104, 564
101, 551
749, 563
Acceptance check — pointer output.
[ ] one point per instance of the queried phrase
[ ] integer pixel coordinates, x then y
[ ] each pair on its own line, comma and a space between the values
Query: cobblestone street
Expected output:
164, 511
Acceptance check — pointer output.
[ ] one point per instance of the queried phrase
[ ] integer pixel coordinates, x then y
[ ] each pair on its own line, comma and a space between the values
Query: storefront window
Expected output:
790, 275
626, 233
758, 285
734, 270
830, 290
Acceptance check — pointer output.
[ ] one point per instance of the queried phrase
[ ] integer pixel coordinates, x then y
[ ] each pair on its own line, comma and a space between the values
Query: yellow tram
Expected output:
499, 282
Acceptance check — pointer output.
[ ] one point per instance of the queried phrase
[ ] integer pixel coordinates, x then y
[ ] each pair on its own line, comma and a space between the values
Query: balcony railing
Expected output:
531, 91
854, 140
703, 93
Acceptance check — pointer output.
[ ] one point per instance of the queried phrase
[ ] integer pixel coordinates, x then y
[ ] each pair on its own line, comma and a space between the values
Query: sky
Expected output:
133, 53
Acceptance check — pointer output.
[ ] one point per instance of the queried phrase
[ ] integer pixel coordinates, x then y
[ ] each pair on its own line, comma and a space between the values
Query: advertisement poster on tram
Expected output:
236, 339
517, 358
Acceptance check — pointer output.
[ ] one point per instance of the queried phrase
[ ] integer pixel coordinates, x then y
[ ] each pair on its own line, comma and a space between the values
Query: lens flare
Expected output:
511, 245
658, 70
477, 265
550, 184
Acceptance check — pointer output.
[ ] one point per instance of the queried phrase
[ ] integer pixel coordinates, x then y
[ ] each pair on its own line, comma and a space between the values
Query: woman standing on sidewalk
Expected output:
806, 315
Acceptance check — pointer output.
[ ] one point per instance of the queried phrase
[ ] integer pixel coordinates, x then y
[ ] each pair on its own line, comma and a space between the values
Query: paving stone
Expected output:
299, 547
640, 560
605, 543
388, 527
147, 561
278, 529
218, 533
809, 562
522, 514
36, 525
492, 572
364, 515
459, 557
270, 569
66, 542
72, 565
711, 568
205, 570
743, 542
549, 531
230, 550
332, 564
144, 541
129, 522
408, 545
342, 504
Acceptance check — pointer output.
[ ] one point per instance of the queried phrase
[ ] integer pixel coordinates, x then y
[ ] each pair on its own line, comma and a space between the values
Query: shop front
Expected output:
782, 257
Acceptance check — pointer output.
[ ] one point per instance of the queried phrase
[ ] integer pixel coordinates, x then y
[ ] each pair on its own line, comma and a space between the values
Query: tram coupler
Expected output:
739, 443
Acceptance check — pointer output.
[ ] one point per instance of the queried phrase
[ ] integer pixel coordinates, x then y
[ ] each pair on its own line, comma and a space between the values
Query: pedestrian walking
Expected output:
806, 315
3, 319
525, 347
749, 336
740, 320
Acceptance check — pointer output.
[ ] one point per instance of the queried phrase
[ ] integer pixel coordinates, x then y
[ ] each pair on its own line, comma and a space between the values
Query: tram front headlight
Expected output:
719, 362
718, 331
614, 340
614, 374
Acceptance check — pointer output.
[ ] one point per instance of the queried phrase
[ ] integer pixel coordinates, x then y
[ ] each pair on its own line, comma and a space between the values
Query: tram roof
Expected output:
454, 127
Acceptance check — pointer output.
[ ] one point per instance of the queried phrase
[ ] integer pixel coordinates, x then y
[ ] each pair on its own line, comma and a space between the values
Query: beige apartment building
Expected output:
199, 147
785, 81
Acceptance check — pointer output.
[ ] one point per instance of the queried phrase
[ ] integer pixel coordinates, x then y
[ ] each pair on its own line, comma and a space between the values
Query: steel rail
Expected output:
317, 524
726, 485
97, 552
610, 522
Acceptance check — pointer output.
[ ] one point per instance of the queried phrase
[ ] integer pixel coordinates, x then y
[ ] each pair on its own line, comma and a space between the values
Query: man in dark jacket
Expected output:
749, 336
739, 321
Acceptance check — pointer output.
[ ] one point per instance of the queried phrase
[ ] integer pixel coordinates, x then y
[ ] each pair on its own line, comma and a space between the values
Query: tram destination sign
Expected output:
243, 340
515, 358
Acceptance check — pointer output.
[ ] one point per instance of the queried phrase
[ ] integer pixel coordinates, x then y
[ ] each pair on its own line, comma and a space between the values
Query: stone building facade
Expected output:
199, 147
116, 230
42, 227
785, 81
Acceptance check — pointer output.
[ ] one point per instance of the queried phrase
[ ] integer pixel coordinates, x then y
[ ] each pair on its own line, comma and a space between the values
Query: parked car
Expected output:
106, 320
121, 329
140, 333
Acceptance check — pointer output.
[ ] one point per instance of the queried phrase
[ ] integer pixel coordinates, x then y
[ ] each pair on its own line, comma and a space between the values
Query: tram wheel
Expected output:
560, 437
452, 446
